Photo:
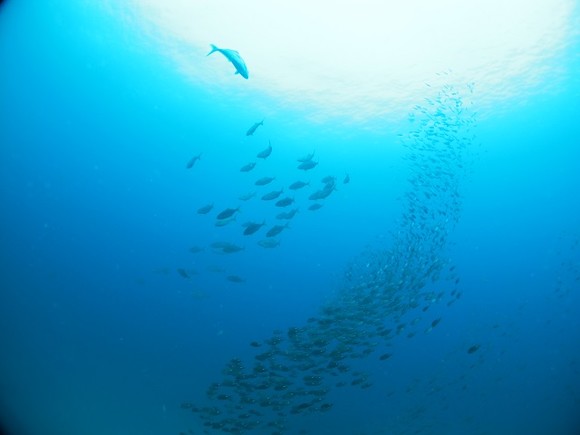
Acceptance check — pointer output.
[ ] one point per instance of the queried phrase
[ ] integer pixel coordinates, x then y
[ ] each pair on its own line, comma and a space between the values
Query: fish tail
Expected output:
213, 48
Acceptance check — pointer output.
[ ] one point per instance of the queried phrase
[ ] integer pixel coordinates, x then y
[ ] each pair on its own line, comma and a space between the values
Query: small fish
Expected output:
228, 212
254, 127
272, 195
183, 273
298, 185
287, 215
234, 57
252, 227
275, 230
265, 153
226, 248
346, 179
321, 194
247, 196
192, 161
235, 278
269, 243
205, 209
385, 356
329, 179
307, 165
284, 202
473, 348
315, 206
224, 222
306, 158
195, 249
248, 167
264, 180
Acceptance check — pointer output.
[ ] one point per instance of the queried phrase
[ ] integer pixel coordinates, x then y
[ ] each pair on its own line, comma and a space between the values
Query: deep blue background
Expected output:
98, 332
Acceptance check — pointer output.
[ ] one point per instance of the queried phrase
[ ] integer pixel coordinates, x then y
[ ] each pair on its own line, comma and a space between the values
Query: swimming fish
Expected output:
205, 209
275, 230
192, 161
228, 212
298, 185
265, 153
272, 195
247, 196
309, 164
234, 57
254, 127
306, 158
264, 180
252, 227
248, 167
284, 202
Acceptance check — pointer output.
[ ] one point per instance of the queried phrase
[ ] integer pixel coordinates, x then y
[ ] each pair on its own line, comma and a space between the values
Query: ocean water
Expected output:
436, 291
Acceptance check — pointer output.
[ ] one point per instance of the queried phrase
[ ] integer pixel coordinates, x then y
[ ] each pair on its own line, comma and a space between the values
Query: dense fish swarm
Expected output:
293, 371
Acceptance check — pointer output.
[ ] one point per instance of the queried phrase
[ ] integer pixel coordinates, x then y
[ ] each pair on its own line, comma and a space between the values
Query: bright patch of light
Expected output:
363, 58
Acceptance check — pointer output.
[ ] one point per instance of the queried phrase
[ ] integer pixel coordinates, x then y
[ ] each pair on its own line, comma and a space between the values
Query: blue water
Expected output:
101, 334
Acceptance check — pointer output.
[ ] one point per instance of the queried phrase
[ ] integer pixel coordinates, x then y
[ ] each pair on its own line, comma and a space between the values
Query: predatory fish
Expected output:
234, 57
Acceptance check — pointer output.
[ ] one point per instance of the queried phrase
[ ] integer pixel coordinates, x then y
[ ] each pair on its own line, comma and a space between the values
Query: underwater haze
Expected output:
264, 218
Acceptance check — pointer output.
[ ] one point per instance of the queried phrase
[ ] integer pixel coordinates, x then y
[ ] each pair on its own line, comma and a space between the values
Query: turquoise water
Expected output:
434, 292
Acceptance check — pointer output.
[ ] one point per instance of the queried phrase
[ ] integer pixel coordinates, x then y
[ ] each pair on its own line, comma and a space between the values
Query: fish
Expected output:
275, 230
329, 179
307, 165
224, 222
346, 179
235, 278
265, 153
247, 196
272, 195
287, 215
264, 180
234, 57
195, 249
205, 209
473, 348
183, 273
315, 206
228, 212
252, 227
192, 161
284, 202
254, 127
226, 247
298, 185
321, 194
306, 158
248, 167
269, 243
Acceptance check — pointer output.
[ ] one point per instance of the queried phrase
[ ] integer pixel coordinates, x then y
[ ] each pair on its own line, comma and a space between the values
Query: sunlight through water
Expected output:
363, 58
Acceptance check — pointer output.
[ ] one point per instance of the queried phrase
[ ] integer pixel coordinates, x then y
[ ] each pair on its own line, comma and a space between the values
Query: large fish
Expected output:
234, 57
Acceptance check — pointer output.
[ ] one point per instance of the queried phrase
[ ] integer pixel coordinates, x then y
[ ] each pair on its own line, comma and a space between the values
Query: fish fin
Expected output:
213, 48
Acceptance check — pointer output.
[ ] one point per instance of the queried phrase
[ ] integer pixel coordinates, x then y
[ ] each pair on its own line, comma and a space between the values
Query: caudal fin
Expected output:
213, 48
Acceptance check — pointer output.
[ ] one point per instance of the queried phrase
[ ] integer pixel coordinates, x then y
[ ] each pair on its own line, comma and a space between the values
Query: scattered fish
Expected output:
254, 127
275, 230
228, 212
306, 158
248, 167
192, 161
298, 185
265, 153
272, 195
247, 196
264, 180
284, 202
234, 57
252, 227
226, 248
315, 206
269, 243
235, 278
205, 209
287, 215
307, 165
